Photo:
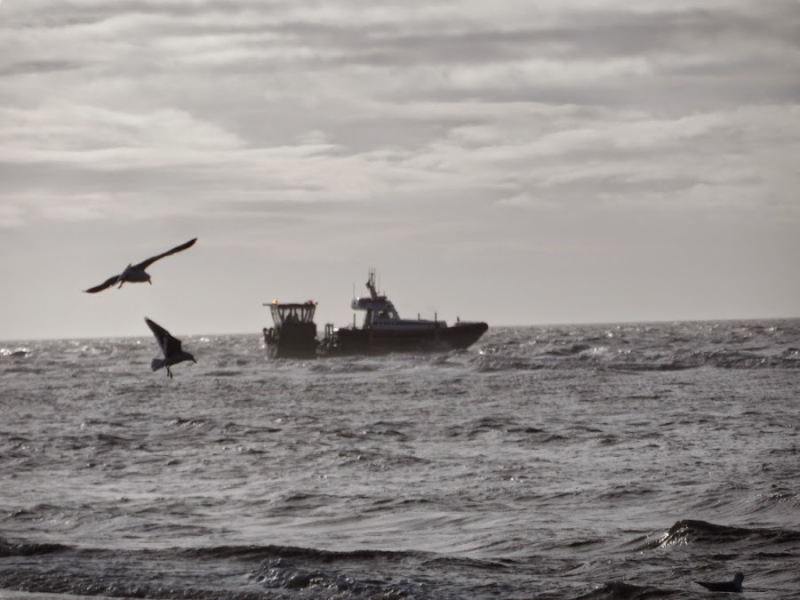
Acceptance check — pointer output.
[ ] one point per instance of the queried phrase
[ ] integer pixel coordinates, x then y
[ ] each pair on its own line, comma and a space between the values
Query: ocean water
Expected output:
577, 462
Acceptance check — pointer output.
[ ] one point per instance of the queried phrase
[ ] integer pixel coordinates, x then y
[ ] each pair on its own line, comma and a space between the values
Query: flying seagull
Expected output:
136, 273
724, 586
170, 346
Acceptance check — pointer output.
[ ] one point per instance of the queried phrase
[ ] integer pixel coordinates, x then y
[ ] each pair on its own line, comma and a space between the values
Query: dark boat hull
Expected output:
370, 341
294, 340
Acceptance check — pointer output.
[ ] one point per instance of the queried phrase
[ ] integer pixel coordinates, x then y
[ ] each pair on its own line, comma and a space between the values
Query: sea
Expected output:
592, 462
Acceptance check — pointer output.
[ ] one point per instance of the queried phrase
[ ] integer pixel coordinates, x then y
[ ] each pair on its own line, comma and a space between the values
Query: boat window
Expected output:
387, 314
293, 313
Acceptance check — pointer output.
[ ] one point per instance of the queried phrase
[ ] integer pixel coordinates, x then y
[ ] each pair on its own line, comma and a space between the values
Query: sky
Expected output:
514, 162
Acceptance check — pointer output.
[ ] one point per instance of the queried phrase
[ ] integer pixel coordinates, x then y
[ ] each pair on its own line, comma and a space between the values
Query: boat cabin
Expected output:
295, 333
381, 313
290, 314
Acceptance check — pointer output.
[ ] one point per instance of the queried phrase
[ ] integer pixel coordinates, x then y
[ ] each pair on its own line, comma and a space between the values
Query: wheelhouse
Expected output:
286, 314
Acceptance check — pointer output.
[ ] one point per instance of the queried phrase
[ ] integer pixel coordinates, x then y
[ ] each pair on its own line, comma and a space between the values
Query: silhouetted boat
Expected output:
382, 332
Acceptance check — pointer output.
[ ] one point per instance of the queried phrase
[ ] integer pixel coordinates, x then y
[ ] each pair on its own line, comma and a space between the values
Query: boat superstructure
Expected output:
294, 333
384, 331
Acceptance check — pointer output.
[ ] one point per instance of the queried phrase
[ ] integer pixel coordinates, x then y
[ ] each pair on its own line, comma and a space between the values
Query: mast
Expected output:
373, 292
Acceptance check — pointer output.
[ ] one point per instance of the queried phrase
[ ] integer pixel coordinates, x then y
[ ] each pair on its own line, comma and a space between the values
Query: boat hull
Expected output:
292, 341
372, 341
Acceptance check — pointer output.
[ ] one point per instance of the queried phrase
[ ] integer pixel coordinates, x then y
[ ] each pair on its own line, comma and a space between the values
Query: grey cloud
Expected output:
598, 33
39, 66
271, 80
706, 55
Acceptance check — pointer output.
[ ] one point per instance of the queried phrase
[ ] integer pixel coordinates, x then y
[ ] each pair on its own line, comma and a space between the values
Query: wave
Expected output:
634, 348
211, 573
619, 590
222, 373
580, 356
284, 574
326, 573
696, 532
19, 352
570, 350
270, 551
9, 548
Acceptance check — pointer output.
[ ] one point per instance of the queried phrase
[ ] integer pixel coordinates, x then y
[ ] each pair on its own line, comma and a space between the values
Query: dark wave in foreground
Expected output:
696, 532
249, 572
230, 572
8, 548
619, 590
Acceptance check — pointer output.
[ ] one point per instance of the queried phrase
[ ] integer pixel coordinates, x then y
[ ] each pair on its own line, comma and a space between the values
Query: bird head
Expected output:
739, 577
191, 357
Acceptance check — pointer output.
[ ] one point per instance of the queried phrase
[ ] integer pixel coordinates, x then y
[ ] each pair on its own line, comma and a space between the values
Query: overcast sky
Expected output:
516, 162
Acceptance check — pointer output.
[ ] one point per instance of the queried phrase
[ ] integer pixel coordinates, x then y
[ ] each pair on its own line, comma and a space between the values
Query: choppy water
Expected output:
586, 462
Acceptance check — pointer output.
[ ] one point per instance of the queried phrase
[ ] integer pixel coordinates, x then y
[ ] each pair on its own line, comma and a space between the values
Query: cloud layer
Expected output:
360, 114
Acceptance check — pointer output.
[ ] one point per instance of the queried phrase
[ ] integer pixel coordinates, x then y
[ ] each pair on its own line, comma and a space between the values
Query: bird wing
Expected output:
169, 345
159, 332
173, 346
107, 283
146, 263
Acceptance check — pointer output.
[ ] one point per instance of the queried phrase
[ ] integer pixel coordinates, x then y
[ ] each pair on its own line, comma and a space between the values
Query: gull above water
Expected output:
136, 273
724, 586
170, 346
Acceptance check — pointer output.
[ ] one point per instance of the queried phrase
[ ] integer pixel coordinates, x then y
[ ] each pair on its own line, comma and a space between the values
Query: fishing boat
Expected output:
384, 331
294, 333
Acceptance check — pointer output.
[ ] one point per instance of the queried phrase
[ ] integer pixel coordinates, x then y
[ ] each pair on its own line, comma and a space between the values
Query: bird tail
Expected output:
158, 363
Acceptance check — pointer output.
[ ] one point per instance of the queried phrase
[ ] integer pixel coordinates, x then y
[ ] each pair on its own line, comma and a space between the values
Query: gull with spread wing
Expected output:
136, 273
170, 346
